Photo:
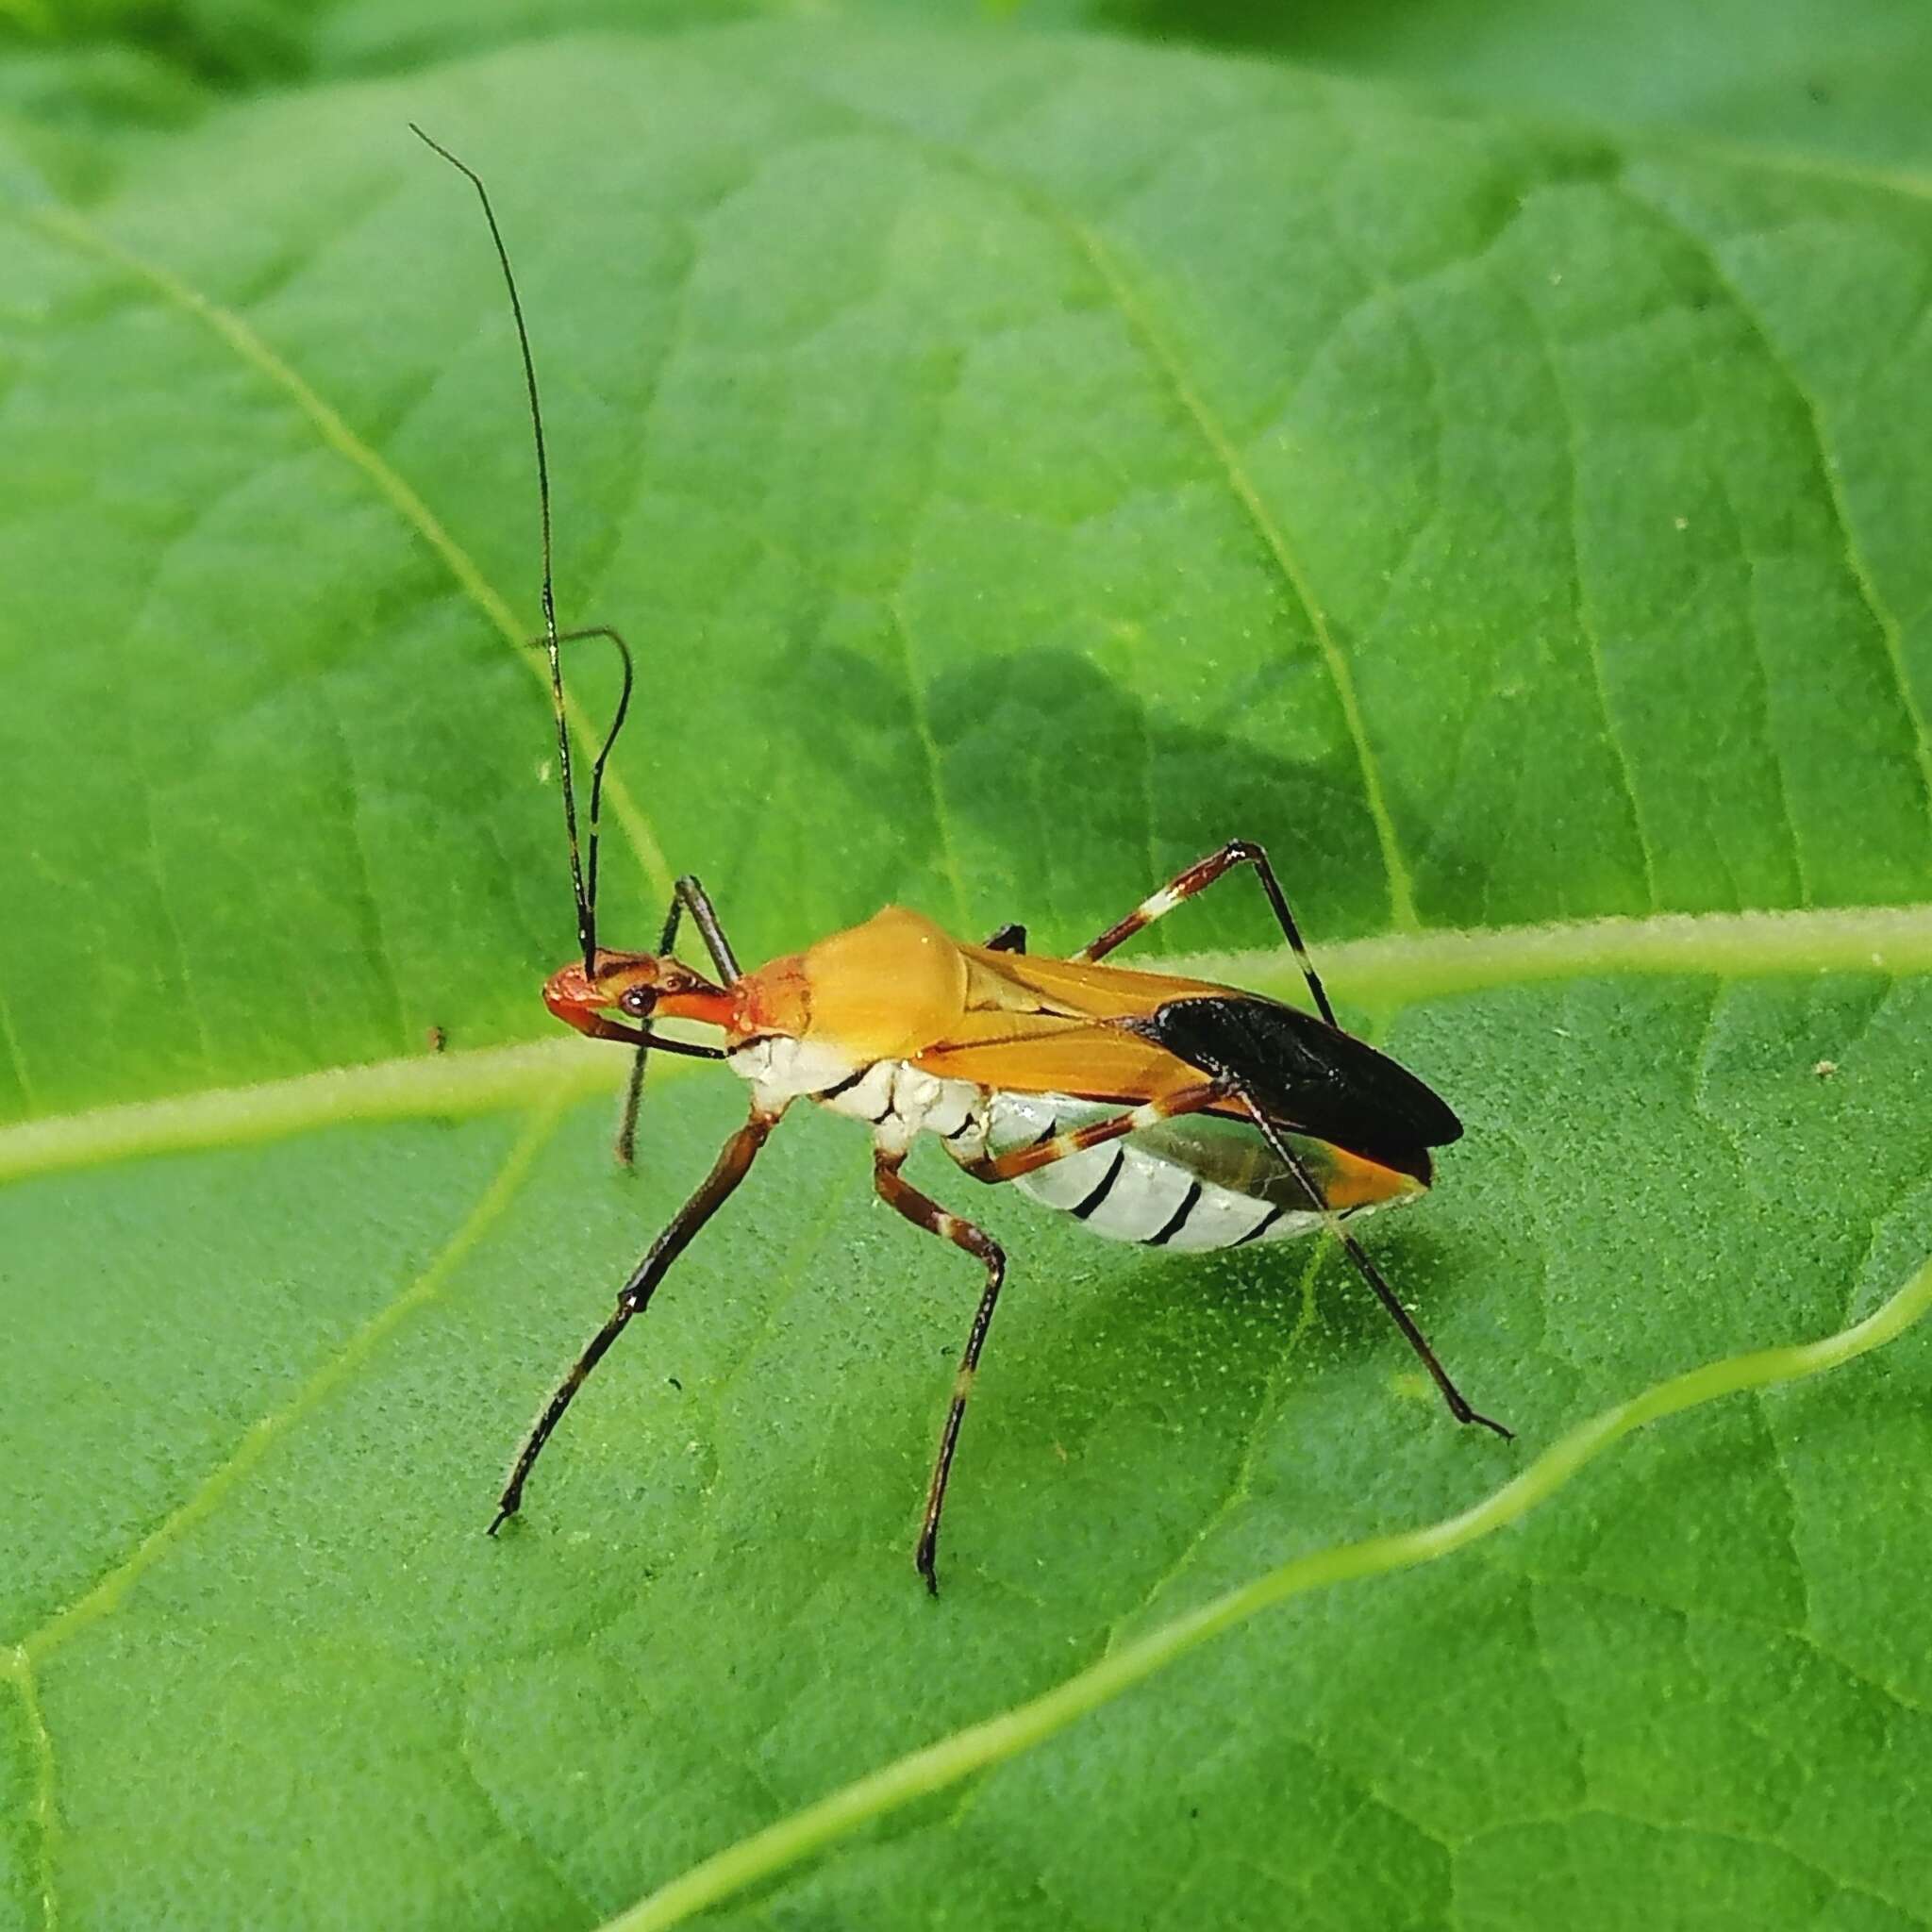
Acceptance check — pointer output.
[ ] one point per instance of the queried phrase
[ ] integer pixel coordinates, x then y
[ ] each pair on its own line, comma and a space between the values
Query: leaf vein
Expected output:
1889, 631
15, 1057
1375, 973
1240, 1488
1160, 356
929, 756
66, 225
367, 903
110, 1589
1585, 624
919, 1773
1193, 408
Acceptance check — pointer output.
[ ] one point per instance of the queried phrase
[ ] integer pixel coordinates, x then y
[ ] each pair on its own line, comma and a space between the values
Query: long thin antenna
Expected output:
603, 758
586, 900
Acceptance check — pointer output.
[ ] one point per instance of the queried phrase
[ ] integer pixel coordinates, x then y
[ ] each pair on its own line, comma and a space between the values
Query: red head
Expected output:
640, 986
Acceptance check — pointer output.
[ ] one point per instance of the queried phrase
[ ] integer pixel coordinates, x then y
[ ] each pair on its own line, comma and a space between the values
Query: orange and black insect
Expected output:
1174, 1112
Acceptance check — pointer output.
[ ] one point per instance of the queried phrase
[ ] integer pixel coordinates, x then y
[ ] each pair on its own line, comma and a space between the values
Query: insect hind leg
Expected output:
1459, 1406
1197, 878
1053, 1146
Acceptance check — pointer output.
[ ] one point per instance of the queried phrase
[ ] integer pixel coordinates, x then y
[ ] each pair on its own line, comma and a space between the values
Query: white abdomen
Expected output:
1169, 1186
897, 1100
1189, 1182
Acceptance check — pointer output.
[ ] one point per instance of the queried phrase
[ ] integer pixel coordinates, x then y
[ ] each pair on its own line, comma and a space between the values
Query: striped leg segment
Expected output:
703, 915
1197, 878
734, 1162
687, 895
1018, 1160
928, 1214
1459, 1404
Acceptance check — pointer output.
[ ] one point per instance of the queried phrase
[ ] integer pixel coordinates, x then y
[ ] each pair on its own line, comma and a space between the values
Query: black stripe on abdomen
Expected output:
1262, 1226
1178, 1220
1083, 1208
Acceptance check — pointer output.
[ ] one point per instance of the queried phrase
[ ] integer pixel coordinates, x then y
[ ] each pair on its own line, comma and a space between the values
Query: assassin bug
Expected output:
1174, 1113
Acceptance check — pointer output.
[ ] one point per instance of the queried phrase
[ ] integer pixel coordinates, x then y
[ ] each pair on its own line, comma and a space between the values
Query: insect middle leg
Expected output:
1197, 878
734, 1162
925, 1212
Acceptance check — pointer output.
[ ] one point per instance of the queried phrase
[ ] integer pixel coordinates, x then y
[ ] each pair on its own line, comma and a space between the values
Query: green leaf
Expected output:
1022, 461
1837, 78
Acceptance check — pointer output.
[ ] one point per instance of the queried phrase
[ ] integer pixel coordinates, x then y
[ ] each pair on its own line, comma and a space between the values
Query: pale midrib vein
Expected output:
261, 1436
65, 225
1400, 968
1376, 974
491, 1080
766, 1855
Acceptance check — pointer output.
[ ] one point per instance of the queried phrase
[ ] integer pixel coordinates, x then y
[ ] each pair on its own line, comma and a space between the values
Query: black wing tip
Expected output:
1297, 1064
1447, 1128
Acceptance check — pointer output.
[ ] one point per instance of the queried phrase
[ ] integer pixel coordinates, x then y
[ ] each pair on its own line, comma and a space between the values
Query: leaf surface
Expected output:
1021, 462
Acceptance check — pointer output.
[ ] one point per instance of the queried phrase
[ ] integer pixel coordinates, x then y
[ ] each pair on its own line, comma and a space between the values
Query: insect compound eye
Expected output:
638, 1001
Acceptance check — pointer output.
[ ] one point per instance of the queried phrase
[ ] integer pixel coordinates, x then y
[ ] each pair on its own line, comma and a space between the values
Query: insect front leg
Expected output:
734, 1162
926, 1213
1197, 878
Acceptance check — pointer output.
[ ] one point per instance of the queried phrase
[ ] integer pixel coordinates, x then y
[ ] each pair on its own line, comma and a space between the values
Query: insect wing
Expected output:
1039, 1026
1048, 1053
1311, 1076
1231, 1154
1029, 983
